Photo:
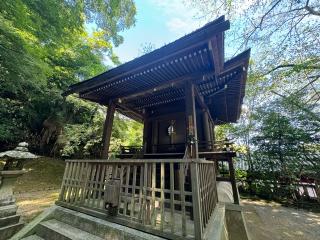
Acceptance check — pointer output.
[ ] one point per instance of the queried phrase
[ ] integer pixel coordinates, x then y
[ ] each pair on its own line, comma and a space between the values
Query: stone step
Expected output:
99, 227
8, 210
8, 231
6, 221
54, 229
33, 237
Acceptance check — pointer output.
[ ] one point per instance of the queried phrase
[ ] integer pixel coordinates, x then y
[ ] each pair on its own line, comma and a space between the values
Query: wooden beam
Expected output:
220, 40
161, 86
241, 59
191, 120
107, 130
186, 43
207, 117
218, 91
126, 109
216, 55
201, 102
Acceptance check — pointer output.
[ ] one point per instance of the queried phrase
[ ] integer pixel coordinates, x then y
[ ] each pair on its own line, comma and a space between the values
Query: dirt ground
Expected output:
42, 174
31, 204
271, 221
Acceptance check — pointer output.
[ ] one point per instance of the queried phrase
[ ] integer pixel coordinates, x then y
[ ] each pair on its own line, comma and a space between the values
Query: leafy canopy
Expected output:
44, 47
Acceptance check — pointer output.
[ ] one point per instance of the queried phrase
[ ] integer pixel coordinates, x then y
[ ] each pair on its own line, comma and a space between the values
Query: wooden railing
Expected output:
223, 145
217, 146
169, 198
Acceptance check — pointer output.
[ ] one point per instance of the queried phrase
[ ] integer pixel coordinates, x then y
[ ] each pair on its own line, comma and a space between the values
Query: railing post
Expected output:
196, 200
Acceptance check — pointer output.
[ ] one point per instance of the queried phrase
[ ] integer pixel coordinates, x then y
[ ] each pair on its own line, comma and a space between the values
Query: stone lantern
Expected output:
9, 220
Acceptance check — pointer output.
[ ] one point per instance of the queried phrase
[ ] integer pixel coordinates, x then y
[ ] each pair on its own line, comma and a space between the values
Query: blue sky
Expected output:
158, 22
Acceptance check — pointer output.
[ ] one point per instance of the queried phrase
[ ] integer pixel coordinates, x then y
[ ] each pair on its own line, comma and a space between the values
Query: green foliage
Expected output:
84, 140
286, 137
44, 47
283, 148
241, 174
222, 132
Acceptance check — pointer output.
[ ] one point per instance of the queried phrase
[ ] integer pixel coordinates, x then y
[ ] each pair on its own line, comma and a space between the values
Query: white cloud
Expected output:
181, 26
180, 16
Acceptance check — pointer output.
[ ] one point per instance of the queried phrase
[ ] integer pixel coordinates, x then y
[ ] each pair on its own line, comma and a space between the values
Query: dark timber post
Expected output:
211, 127
191, 121
192, 141
107, 129
145, 133
206, 127
145, 136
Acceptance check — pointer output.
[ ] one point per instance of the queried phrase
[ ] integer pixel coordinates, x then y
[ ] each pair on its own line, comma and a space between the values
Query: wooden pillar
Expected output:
107, 130
155, 131
191, 121
211, 127
145, 135
206, 128
192, 140
192, 143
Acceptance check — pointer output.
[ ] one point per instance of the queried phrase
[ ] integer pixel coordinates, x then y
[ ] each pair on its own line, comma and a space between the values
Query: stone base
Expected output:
9, 221
8, 179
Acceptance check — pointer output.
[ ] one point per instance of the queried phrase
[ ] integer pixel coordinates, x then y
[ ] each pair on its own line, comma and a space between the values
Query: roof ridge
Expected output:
71, 89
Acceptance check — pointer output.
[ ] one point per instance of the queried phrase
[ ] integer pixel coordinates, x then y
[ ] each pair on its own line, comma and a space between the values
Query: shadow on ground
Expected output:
271, 221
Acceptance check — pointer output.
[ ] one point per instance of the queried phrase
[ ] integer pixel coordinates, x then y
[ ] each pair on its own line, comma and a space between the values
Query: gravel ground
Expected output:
271, 221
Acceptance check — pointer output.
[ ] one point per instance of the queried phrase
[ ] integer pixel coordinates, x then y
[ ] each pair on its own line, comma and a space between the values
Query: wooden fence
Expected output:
172, 198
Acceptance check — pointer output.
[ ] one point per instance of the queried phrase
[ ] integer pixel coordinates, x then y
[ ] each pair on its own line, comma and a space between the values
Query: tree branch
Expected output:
262, 18
292, 66
301, 107
311, 10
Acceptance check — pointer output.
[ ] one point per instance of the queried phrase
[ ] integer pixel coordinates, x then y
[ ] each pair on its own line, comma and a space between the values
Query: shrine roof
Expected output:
158, 77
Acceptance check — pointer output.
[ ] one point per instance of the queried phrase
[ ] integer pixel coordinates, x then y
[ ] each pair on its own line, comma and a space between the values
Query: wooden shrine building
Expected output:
179, 92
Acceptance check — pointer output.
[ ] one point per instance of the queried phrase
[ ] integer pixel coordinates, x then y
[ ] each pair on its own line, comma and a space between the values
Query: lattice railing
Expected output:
153, 195
207, 191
